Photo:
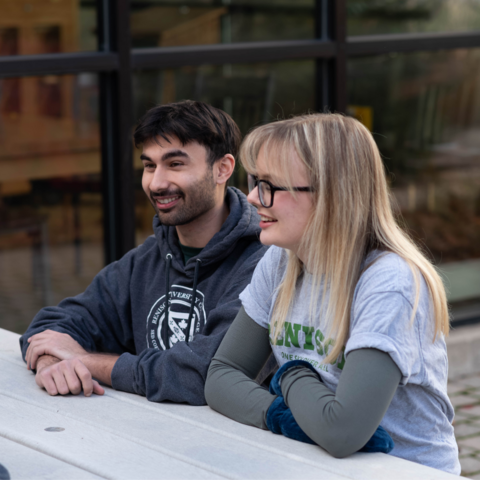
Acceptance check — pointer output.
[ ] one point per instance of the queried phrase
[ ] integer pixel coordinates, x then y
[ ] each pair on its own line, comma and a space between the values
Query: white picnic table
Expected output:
124, 436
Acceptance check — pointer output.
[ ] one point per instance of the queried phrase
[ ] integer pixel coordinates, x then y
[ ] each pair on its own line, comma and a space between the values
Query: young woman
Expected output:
355, 315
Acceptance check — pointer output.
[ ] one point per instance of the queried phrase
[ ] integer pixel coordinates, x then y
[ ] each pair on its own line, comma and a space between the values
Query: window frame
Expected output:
115, 62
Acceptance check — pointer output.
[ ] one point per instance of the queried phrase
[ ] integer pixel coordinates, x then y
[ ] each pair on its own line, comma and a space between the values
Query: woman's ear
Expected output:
224, 169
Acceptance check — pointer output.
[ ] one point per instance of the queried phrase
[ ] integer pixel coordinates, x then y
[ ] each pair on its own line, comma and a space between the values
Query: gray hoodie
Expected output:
165, 351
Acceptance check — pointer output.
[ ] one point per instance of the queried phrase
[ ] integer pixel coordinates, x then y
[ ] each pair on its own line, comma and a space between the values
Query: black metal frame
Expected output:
115, 60
116, 113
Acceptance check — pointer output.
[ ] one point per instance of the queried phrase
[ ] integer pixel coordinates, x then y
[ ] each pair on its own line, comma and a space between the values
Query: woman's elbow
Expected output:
211, 384
340, 446
339, 451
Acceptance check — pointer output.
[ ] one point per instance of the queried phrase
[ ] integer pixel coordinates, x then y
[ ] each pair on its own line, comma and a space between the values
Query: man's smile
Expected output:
164, 202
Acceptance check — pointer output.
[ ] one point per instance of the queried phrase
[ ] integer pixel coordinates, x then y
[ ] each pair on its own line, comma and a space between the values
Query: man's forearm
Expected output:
100, 365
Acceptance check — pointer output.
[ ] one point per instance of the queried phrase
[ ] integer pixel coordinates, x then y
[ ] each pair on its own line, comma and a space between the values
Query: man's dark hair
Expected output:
191, 121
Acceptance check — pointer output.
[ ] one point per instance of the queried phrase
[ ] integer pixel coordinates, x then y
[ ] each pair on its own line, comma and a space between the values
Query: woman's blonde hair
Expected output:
352, 216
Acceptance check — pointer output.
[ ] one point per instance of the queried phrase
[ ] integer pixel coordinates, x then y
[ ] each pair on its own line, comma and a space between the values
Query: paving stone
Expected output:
473, 442
465, 451
461, 417
471, 381
470, 410
470, 464
464, 394
454, 388
463, 382
466, 429
463, 400
474, 423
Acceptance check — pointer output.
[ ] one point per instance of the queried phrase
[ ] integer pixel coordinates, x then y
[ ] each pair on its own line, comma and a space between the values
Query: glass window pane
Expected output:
424, 111
201, 22
50, 193
252, 94
50, 26
413, 16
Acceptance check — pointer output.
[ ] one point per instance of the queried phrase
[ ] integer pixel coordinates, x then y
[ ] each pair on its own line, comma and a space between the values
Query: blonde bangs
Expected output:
277, 145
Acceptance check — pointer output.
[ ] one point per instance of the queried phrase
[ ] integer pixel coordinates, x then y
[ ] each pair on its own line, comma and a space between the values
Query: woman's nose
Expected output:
253, 197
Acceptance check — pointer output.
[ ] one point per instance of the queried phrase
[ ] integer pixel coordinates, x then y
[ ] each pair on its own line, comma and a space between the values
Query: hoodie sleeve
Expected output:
179, 374
99, 319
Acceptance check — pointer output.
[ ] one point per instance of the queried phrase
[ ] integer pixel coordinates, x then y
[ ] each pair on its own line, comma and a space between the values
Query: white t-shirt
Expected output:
419, 419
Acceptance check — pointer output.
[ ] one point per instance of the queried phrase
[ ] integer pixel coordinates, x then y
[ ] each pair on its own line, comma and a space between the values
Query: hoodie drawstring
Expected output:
165, 324
167, 297
194, 297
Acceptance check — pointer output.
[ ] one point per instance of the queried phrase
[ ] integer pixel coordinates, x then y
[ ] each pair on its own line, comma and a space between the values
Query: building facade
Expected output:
75, 76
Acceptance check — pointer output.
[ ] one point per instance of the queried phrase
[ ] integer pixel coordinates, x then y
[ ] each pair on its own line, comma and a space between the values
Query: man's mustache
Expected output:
166, 193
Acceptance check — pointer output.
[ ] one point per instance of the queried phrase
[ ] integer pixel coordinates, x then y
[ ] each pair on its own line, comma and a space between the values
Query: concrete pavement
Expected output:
465, 396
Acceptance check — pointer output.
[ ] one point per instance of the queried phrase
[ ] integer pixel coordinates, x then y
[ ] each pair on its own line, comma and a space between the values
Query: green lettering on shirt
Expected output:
329, 343
279, 339
341, 363
308, 337
318, 341
292, 334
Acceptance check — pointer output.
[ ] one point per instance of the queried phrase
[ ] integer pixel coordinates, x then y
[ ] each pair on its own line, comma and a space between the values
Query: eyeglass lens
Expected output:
264, 190
264, 193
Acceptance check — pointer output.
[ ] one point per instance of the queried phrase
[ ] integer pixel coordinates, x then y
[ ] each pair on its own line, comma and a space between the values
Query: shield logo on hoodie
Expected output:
162, 332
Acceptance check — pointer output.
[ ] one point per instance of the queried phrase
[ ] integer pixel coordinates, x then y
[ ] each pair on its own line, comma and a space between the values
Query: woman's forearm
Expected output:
340, 422
231, 393
230, 388
344, 421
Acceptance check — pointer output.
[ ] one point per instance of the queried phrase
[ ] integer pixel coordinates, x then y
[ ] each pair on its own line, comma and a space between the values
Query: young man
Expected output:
151, 322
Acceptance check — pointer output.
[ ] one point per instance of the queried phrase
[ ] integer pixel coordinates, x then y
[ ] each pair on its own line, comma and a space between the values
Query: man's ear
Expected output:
224, 169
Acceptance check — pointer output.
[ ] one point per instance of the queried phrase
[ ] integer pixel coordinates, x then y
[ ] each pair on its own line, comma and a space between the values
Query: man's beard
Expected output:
199, 199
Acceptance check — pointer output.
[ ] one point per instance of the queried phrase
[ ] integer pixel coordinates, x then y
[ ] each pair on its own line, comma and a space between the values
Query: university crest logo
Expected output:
178, 311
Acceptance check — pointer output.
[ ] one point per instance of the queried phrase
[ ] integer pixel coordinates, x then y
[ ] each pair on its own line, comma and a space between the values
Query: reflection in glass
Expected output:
50, 194
47, 26
252, 94
370, 17
201, 22
424, 111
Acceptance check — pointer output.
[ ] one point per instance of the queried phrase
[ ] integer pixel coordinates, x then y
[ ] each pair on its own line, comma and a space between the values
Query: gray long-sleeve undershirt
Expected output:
340, 422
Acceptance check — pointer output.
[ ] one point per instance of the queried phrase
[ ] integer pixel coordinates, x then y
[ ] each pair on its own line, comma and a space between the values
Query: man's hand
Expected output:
49, 342
60, 377
63, 366
46, 361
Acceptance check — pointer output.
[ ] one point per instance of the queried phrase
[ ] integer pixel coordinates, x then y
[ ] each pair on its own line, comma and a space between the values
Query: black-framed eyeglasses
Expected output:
266, 190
